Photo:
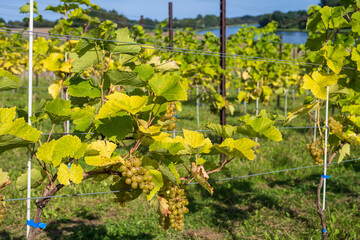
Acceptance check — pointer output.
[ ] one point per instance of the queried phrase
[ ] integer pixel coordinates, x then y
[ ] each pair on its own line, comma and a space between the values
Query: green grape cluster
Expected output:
2, 208
315, 153
137, 176
335, 126
177, 201
170, 115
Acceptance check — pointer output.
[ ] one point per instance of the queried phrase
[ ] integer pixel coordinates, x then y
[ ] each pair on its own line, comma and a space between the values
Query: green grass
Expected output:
274, 206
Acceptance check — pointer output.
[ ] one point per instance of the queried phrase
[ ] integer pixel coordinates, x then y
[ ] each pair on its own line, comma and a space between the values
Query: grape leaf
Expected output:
8, 80
79, 87
75, 174
121, 102
15, 133
123, 78
145, 72
168, 87
299, 111
201, 177
37, 177
318, 82
225, 131
115, 128
4, 179
55, 88
65, 147
99, 154
123, 43
195, 142
345, 150
58, 110
237, 148
158, 181
259, 127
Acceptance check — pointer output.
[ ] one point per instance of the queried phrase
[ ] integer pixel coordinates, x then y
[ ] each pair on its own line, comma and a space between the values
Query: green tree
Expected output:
330, 3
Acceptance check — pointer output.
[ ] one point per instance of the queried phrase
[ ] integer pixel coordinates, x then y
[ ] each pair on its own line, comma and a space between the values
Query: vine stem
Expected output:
51, 131
41, 203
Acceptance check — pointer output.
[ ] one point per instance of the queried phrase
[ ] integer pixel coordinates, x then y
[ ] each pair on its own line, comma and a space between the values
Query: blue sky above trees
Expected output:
158, 9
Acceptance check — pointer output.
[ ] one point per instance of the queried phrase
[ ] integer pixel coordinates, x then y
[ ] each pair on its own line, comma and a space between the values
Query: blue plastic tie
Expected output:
36, 225
175, 115
323, 230
198, 104
325, 176
245, 103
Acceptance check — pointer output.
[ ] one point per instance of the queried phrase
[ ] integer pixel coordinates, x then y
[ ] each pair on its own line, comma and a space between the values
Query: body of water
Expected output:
288, 37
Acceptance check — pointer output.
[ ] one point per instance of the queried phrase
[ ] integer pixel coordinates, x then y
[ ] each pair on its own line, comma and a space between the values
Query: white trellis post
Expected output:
31, 38
315, 125
197, 107
257, 106
67, 124
326, 147
286, 97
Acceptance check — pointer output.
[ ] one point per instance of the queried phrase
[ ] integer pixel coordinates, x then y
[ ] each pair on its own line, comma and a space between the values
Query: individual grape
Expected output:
128, 181
134, 185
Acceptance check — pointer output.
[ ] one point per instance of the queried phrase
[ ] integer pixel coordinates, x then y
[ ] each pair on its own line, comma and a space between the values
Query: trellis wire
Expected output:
195, 183
177, 131
177, 50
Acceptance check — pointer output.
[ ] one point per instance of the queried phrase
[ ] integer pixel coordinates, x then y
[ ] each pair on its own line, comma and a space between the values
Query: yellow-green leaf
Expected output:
55, 88
65, 147
238, 148
75, 174
158, 181
99, 154
318, 82
121, 102
196, 141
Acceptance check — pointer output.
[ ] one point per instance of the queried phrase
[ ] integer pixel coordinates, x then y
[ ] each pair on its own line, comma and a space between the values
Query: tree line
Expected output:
289, 20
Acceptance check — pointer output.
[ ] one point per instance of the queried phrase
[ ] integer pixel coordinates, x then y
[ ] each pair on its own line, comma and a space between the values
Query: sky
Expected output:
158, 9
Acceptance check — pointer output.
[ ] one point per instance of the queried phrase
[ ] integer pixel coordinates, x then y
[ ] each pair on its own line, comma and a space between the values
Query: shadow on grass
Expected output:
82, 229
237, 201
5, 235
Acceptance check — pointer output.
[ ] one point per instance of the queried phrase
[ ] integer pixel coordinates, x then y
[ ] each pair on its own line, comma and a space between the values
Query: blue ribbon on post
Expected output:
323, 230
325, 176
31, 223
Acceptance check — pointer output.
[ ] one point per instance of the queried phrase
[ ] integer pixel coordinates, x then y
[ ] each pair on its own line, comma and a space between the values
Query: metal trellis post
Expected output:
223, 64
142, 20
171, 33
222, 58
